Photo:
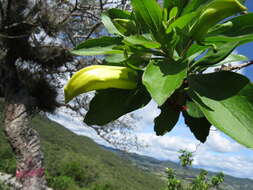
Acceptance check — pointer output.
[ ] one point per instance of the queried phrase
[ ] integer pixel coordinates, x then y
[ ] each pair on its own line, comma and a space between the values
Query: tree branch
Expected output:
235, 67
238, 67
92, 30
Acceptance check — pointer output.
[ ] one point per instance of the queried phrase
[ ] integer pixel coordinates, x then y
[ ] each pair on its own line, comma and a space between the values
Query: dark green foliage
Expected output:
60, 182
200, 182
186, 158
173, 183
4, 186
119, 101
8, 162
217, 180
166, 120
200, 127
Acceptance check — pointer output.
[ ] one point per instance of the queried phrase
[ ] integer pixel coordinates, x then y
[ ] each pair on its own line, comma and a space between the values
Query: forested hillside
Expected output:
78, 161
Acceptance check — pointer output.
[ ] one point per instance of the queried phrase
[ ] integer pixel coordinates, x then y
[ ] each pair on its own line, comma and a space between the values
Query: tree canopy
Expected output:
170, 47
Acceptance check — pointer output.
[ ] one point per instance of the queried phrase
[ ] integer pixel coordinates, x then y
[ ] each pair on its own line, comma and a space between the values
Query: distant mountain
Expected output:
157, 167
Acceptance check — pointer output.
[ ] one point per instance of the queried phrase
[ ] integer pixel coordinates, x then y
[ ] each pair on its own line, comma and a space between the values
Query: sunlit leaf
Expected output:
99, 46
163, 78
150, 12
226, 100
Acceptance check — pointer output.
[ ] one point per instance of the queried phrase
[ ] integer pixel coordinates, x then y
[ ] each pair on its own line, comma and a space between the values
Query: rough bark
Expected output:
26, 144
11, 181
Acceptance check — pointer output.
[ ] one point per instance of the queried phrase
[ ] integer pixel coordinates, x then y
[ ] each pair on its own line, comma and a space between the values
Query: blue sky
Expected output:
219, 153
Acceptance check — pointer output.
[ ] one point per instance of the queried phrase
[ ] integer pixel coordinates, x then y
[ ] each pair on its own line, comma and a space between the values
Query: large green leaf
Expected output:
166, 120
150, 12
231, 59
212, 57
99, 46
108, 105
200, 127
237, 26
142, 41
193, 110
163, 78
181, 22
169, 4
238, 29
193, 5
226, 99
107, 19
226, 39
195, 50
115, 59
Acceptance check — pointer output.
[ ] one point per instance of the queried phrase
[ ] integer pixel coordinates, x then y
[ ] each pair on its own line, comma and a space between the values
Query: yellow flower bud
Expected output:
98, 77
213, 13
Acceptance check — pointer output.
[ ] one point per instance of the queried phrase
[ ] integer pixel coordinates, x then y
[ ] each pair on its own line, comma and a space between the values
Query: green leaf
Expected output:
232, 58
108, 105
193, 110
226, 39
181, 22
213, 13
226, 100
100, 46
195, 50
169, 4
115, 58
166, 120
200, 127
162, 78
212, 57
238, 29
110, 25
173, 12
150, 12
237, 26
193, 5
142, 41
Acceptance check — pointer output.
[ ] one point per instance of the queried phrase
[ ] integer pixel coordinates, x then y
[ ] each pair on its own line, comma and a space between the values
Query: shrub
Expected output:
61, 182
4, 186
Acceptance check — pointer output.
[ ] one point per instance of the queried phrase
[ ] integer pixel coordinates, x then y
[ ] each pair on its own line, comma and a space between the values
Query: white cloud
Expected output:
217, 154
236, 165
146, 115
76, 125
216, 142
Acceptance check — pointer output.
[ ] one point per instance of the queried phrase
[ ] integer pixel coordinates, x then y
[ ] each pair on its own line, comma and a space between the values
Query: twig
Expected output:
238, 67
14, 37
70, 13
235, 67
2, 13
92, 30
101, 5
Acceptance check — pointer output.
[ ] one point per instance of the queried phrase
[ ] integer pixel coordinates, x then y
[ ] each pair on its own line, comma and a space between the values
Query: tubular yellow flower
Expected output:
97, 77
213, 13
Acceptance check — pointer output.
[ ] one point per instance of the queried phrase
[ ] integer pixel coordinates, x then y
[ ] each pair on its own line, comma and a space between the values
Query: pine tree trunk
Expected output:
26, 145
